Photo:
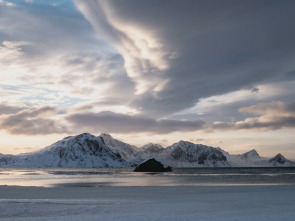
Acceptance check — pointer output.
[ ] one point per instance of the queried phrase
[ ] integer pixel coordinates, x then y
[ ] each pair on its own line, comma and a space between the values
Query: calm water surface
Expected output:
60, 177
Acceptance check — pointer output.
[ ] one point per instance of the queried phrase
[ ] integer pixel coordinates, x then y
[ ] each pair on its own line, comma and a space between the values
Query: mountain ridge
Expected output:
81, 151
87, 150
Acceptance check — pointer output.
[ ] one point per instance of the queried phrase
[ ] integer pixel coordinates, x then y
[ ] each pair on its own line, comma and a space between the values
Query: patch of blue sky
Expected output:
62, 8
41, 96
66, 12
52, 98
44, 4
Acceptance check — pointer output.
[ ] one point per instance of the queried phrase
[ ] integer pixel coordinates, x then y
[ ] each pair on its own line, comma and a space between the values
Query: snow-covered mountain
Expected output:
252, 159
126, 151
181, 154
280, 161
132, 153
248, 159
151, 148
84, 150
7, 159
186, 154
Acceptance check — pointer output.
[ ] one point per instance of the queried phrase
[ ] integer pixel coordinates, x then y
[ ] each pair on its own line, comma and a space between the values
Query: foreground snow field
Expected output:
148, 203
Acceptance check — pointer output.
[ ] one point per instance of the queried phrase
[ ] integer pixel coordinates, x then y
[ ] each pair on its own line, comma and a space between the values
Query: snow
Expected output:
87, 151
132, 153
82, 151
252, 159
187, 154
229, 203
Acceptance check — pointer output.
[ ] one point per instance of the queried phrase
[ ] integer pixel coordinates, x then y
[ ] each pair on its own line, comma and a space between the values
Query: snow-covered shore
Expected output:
255, 202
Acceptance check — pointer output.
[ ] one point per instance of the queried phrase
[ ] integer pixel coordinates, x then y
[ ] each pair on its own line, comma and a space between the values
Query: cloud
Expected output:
11, 50
272, 116
148, 65
47, 120
5, 3
271, 109
226, 107
122, 123
64, 64
180, 52
142, 50
32, 122
9, 109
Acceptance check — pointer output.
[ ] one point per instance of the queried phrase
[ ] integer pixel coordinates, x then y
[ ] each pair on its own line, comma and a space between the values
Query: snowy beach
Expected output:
255, 202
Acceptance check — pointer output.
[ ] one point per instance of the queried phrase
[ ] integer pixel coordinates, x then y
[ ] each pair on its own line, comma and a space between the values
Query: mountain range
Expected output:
87, 151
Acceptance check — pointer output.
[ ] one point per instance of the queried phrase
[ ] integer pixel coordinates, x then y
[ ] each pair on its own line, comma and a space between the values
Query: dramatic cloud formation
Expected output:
201, 48
59, 65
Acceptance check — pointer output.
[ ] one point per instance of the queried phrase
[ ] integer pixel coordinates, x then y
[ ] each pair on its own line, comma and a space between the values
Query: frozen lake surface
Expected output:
119, 194
126, 177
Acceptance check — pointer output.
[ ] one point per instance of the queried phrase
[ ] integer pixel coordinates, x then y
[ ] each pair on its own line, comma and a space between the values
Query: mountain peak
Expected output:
187, 154
250, 154
279, 155
82, 135
106, 135
151, 145
84, 150
183, 143
253, 152
280, 160
85, 135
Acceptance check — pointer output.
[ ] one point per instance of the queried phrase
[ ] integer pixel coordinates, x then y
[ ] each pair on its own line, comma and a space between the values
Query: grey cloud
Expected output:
9, 109
31, 122
273, 123
272, 116
272, 108
122, 123
255, 90
219, 46
99, 70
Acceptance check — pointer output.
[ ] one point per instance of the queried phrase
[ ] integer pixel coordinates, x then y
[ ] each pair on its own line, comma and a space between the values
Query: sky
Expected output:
219, 73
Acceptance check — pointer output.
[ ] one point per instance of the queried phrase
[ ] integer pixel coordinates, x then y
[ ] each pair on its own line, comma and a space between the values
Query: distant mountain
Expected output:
151, 148
279, 160
186, 154
248, 159
132, 153
84, 150
7, 159
126, 151
250, 155
252, 159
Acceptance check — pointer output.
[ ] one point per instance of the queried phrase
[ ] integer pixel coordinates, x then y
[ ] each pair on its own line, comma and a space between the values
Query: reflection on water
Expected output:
97, 177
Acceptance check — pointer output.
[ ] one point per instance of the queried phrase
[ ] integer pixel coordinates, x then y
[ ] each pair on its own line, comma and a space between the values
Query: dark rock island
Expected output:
152, 165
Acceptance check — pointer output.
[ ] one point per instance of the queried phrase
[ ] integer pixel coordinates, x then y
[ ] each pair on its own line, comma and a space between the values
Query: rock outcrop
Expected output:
152, 165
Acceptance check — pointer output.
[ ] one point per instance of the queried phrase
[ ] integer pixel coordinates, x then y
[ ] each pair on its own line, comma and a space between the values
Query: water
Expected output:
60, 177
